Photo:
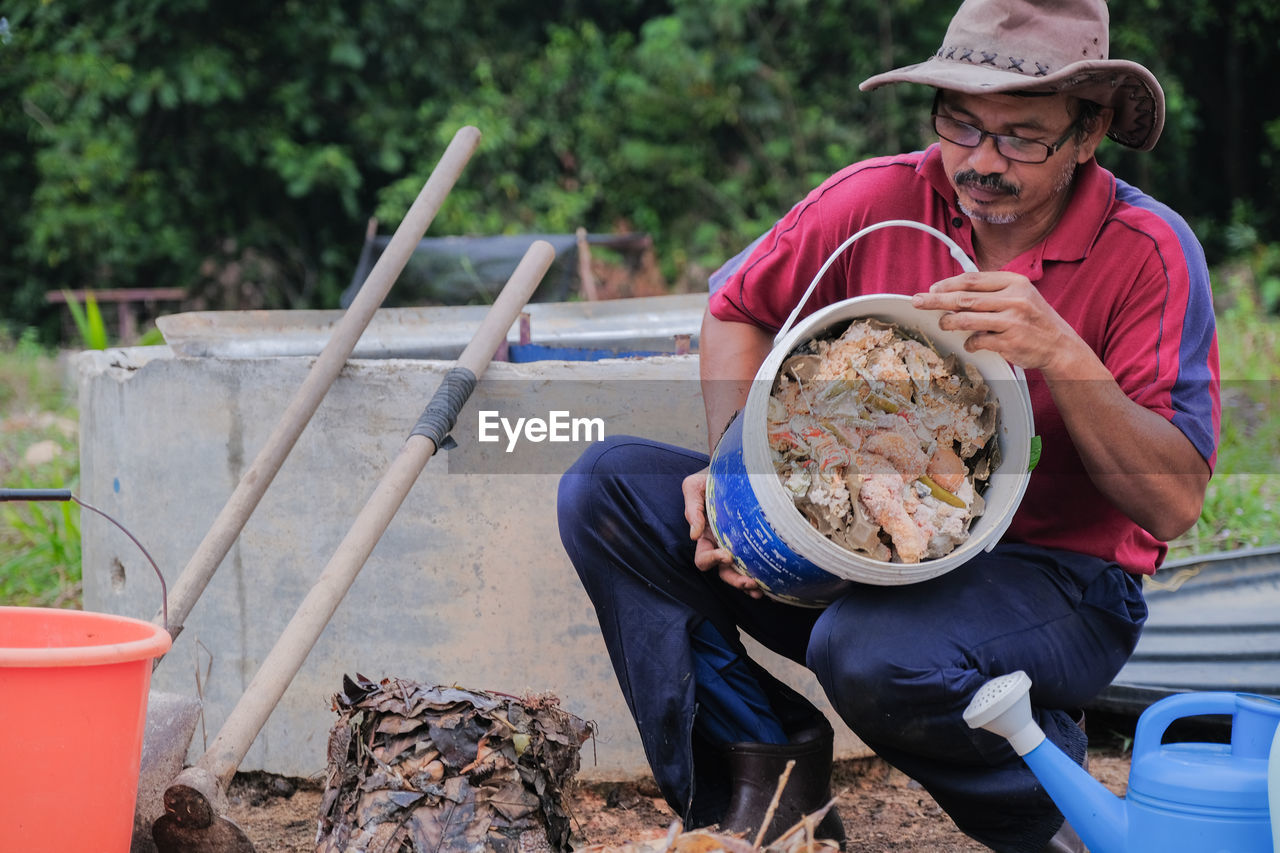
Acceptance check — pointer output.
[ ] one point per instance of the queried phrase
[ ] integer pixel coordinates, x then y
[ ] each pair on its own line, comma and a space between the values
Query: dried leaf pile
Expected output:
414, 768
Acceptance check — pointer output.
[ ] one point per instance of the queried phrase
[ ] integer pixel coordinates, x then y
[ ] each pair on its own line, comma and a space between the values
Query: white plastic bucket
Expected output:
753, 517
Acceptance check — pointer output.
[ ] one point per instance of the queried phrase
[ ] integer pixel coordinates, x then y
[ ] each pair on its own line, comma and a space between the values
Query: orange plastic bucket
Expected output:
73, 707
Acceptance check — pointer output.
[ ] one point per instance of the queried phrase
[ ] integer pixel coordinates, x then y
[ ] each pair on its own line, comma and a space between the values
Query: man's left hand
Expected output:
1007, 315
1139, 460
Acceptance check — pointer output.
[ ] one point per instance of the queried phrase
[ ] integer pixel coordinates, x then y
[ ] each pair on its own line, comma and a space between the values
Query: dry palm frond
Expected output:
414, 768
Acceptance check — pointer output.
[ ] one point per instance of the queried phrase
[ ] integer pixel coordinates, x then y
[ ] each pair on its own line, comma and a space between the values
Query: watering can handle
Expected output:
964, 260
1157, 718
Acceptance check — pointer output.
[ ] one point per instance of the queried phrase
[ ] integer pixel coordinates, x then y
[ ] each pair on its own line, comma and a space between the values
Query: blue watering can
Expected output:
1183, 797
1273, 790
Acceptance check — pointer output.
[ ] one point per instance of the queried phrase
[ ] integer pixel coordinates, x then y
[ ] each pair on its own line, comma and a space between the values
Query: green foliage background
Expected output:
167, 142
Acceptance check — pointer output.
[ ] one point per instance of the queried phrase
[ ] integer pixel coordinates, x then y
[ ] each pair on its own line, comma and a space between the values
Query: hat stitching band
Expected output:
989, 58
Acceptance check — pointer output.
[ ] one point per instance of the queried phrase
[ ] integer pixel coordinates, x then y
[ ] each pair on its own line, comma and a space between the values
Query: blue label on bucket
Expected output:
739, 524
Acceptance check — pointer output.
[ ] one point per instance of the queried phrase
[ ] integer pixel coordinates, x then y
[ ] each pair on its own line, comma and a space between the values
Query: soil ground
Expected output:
882, 809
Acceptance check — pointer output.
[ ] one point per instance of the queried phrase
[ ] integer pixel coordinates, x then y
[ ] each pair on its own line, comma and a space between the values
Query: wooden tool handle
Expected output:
299, 636
253, 483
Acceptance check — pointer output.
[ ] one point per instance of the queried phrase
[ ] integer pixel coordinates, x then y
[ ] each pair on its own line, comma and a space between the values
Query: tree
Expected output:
237, 150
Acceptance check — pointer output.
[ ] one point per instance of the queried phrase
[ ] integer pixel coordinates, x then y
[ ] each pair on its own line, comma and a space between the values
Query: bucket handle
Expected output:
956, 252
66, 495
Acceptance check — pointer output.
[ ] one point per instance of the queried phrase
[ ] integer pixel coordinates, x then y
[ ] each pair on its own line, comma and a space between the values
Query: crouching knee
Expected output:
885, 685
593, 476
621, 493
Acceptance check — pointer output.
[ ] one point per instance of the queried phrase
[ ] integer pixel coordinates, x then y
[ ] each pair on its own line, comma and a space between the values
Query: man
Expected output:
1096, 290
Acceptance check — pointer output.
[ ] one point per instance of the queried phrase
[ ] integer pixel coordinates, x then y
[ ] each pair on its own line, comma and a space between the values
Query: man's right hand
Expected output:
708, 556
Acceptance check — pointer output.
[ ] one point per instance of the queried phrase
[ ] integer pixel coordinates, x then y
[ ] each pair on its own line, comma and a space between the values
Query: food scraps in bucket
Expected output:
883, 444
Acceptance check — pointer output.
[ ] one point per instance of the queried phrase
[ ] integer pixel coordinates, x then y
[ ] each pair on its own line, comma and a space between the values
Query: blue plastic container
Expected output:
1273, 789
1182, 797
751, 514
739, 521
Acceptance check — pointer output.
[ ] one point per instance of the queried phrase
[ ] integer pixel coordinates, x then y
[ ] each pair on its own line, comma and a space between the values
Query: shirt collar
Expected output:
1081, 223
1092, 197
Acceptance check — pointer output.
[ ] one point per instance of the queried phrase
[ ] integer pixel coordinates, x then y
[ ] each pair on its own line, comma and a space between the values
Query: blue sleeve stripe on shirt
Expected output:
1193, 407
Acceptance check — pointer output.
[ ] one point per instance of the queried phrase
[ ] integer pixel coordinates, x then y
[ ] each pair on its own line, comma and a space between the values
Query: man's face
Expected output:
995, 189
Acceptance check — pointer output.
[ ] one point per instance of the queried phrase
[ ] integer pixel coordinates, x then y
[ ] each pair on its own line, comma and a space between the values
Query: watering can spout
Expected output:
1003, 706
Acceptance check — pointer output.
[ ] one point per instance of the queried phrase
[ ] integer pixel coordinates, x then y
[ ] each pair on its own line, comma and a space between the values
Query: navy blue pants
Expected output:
899, 664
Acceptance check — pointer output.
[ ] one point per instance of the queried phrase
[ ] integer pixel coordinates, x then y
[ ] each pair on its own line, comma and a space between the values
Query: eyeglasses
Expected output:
1010, 147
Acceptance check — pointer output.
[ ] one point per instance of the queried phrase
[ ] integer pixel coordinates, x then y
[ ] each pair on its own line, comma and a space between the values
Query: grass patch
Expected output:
39, 542
1242, 505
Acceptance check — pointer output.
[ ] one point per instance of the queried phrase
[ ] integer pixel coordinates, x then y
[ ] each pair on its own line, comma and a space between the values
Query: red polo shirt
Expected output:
1125, 271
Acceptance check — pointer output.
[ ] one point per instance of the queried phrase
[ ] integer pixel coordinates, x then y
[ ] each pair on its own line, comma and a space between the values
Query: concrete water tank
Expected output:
469, 585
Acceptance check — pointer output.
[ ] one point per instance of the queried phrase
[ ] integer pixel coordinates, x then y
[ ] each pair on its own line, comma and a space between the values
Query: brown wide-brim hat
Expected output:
1007, 46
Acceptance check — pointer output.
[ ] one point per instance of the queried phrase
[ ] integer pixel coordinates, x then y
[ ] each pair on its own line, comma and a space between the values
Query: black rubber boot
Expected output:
754, 770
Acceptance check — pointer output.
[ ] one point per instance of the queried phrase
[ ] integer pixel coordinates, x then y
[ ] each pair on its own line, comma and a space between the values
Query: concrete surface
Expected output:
469, 585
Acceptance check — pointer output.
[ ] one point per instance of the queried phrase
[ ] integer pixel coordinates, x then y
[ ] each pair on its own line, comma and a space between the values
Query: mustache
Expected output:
986, 182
